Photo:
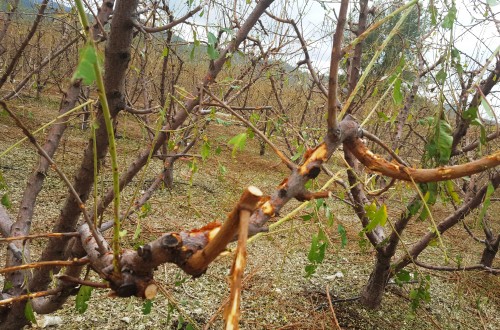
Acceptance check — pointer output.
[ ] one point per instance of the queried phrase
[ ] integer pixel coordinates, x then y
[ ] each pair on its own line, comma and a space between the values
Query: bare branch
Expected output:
283, 158
169, 25
333, 102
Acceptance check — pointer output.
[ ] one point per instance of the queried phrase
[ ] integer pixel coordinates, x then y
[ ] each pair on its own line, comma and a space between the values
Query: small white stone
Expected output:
51, 321
126, 319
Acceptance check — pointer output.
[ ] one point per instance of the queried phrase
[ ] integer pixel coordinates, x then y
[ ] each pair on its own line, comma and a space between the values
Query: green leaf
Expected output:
85, 68
377, 216
452, 192
6, 201
316, 255
343, 235
213, 54
470, 114
165, 52
146, 307
238, 142
212, 39
145, 210
403, 276
397, 96
82, 298
137, 231
487, 108
444, 141
439, 148
329, 216
123, 233
28, 312
306, 217
441, 76
413, 208
205, 150
299, 153
450, 17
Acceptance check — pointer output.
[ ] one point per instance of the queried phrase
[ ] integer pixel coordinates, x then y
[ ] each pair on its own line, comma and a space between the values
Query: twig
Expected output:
75, 280
264, 107
383, 190
174, 303
459, 268
25, 237
147, 29
29, 296
77, 262
285, 159
375, 139
335, 321
141, 111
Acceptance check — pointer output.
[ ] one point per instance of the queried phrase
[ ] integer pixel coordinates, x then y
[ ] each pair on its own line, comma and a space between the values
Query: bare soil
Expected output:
276, 295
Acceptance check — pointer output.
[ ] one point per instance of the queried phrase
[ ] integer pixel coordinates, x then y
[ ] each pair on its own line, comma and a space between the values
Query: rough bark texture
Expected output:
116, 63
489, 252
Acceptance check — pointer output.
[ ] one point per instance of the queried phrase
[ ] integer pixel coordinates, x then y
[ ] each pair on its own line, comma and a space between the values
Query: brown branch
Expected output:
261, 108
9, 301
283, 158
379, 165
457, 269
40, 264
79, 281
475, 144
192, 251
383, 190
333, 102
334, 316
141, 111
102, 18
45, 235
169, 25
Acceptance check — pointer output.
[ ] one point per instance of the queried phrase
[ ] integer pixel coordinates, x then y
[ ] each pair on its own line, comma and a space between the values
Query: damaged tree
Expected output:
131, 272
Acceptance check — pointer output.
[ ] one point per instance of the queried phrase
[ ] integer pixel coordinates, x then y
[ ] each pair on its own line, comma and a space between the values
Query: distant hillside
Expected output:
31, 6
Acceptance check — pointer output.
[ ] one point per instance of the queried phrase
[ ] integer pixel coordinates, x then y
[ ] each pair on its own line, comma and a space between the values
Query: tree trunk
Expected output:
373, 292
490, 251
